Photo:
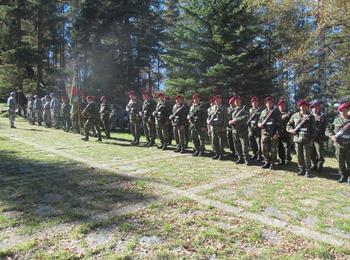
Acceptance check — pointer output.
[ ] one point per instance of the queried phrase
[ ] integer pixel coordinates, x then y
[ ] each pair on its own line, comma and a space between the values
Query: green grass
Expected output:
33, 180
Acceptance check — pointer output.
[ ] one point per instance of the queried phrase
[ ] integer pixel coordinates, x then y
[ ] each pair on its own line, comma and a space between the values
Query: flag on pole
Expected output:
75, 103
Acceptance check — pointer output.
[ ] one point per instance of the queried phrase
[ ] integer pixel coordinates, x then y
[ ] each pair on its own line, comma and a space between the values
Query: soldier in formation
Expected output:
12, 106
149, 125
105, 112
134, 108
178, 120
92, 116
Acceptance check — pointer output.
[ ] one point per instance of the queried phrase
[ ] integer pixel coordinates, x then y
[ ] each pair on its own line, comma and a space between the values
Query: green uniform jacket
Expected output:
241, 115
285, 115
337, 126
105, 110
148, 107
219, 117
162, 112
273, 125
179, 115
134, 109
91, 112
307, 130
65, 109
198, 116
321, 125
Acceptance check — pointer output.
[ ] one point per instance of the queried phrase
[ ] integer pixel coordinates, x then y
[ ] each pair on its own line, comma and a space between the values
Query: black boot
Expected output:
266, 165
254, 157
182, 150
342, 179
220, 157
99, 139
239, 161
301, 172
177, 150
282, 162
85, 138
160, 146
200, 153
308, 174
272, 166
164, 147
195, 153
320, 166
150, 144
215, 157
314, 167
246, 162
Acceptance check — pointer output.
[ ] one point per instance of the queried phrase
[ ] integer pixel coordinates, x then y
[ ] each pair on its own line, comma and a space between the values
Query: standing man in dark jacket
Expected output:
161, 114
149, 127
134, 109
254, 131
197, 118
179, 119
92, 116
285, 140
105, 111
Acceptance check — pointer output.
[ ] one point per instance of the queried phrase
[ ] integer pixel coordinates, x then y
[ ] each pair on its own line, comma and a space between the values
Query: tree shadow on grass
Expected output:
61, 192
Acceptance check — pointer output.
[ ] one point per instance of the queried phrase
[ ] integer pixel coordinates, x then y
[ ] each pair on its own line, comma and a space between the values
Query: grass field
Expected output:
63, 198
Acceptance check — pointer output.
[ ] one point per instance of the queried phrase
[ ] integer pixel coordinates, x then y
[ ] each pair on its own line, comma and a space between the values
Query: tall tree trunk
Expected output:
40, 47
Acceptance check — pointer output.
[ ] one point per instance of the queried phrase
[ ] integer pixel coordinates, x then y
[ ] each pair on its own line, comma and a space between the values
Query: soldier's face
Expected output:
316, 110
179, 101
303, 108
161, 98
255, 104
269, 104
344, 113
196, 100
145, 97
132, 97
281, 107
238, 102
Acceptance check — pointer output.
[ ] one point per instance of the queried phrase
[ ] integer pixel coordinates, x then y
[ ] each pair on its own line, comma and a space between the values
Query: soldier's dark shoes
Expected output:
160, 146
233, 154
308, 174
85, 139
246, 162
164, 147
195, 153
301, 172
220, 158
137, 143
99, 140
177, 150
272, 166
281, 163
320, 166
182, 151
259, 158
200, 153
314, 168
239, 161
342, 179
215, 157
265, 165
150, 144
254, 157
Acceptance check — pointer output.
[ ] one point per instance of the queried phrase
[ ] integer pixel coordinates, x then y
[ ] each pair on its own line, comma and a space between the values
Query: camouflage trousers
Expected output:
343, 157
317, 152
303, 151
66, 123
285, 147
230, 141
149, 129
12, 117
180, 135
47, 118
135, 130
218, 139
105, 122
255, 141
241, 145
55, 118
92, 124
198, 136
163, 133
39, 116
269, 148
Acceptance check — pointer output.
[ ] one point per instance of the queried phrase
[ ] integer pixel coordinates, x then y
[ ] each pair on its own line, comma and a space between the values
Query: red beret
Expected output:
160, 94
131, 92
64, 97
268, 99
302, 102
146, 93
90, 97
195, 95
254, 99
232, 100
103, 98
178, 97
281, 103
315, 103
217, 97
344, 106
238, 97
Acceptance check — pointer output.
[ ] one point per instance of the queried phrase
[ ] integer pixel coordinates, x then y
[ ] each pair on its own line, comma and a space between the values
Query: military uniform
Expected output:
317, 149
285, 140
161, 115
47, 113
30, 110
105, 120
134, 109
342, 145
198, 125
303, 139
65, 116
254, 133
148, 120
229, 136
269, 135
178, 121
12, 106
38, 110
55, 108
240, 133
218, 121
92, 116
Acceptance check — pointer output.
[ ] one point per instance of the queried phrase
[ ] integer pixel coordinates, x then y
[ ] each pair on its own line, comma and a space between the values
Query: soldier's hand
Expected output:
332, 137
232, 122
260, 125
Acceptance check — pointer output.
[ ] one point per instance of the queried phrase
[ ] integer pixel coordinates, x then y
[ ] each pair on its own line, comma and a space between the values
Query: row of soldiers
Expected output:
267, 130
